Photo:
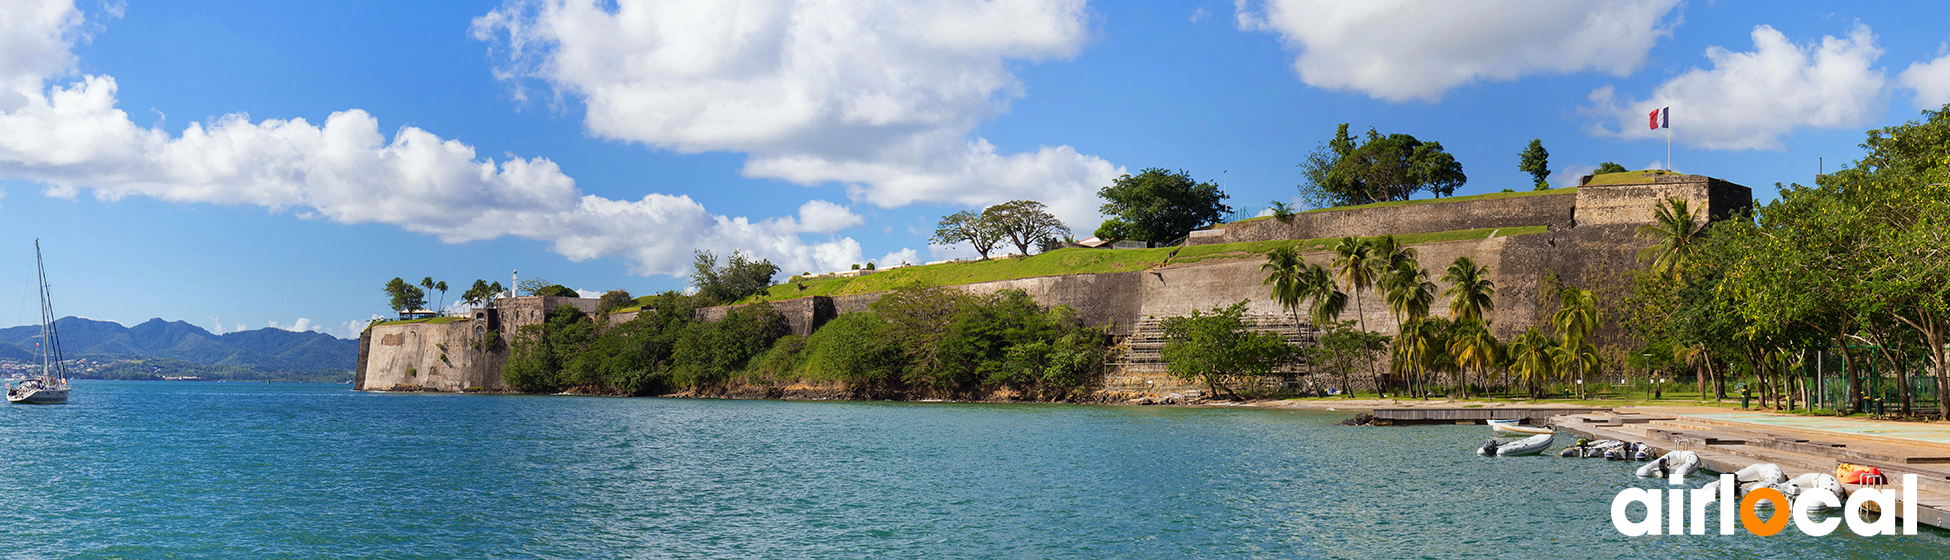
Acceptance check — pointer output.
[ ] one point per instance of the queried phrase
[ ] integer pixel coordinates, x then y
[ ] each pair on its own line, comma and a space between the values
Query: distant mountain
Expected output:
263, 349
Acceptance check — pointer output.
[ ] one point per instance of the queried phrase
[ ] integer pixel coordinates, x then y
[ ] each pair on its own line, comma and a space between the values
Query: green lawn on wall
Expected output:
1080, 261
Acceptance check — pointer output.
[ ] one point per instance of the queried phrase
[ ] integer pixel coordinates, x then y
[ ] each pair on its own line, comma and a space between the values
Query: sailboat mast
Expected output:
50, 338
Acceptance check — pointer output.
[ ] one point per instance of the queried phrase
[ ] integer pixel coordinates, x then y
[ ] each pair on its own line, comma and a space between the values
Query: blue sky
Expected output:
252, 164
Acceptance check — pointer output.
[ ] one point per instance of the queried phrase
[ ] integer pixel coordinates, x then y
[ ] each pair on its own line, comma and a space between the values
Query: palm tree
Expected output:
1410, 293
1581, 356
1282, 212
1675, 231
1286, 271
427, 283
1474, 347
1328, 299
1352, 262
1471, 293
1575, 320
442, 286
1532, 356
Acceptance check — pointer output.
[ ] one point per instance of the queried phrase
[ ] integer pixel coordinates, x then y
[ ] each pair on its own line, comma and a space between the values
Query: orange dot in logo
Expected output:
1751, 520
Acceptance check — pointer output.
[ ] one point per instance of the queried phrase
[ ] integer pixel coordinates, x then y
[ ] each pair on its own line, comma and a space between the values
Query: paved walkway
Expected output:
1932, 433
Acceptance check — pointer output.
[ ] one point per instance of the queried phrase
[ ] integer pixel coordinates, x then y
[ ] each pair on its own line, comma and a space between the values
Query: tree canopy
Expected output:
404, 297
1159, 205
970, 227
1853, 265
1535, 160
1023, 223
1344, 172
739, 278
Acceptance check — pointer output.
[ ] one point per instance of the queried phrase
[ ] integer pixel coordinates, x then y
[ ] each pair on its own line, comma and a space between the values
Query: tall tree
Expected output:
477, 294
739, 278
1533, 358
970, 227
1354, 263
1474, 347
1535, 160
1286, 272
1383, 168
1159, 205
428, 284
1317, 285
404, 297
442, 286
1024, 222
1576, 319
1471, 293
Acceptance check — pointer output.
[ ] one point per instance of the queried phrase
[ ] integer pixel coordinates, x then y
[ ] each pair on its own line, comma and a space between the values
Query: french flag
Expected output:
1661, 118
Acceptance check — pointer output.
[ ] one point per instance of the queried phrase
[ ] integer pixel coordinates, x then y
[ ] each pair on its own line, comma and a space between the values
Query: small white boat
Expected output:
1527, 446
51, 386
1511, 427
1682, 463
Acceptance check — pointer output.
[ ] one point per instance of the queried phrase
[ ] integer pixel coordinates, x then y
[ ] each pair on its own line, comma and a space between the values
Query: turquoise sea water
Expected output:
232, 470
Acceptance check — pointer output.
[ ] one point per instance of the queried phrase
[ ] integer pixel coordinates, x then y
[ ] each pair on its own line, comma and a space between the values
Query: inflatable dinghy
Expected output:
1682, 463
1527, 446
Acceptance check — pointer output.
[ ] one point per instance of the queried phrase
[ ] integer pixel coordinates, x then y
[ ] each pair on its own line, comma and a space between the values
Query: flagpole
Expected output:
1668, 145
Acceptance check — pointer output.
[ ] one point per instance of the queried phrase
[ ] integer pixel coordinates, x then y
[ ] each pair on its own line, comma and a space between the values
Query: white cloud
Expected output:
878, 95
1748, 100
1418, 49
1568, 176
1201, 14
1931, 80
905, 255
819, 216
301, 325
72, 137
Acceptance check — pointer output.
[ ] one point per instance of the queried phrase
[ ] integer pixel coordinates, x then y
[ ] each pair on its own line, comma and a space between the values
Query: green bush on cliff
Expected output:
707, 355
942, 342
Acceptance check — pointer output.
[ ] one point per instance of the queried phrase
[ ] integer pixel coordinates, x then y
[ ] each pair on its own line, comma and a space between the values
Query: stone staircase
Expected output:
1141, 365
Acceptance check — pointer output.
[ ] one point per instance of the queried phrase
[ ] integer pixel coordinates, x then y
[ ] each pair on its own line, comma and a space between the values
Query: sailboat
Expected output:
51, 386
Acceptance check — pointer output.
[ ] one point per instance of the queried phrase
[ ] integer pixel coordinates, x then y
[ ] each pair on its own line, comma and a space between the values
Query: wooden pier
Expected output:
1472, 415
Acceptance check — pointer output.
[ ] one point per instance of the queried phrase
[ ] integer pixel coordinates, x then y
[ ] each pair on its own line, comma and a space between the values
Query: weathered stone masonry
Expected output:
1589, 241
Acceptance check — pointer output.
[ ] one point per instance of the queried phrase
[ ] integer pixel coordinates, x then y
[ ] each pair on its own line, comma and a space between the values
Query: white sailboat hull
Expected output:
37, 396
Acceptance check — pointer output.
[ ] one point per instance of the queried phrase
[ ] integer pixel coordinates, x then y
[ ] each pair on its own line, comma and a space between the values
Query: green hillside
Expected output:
1081, 261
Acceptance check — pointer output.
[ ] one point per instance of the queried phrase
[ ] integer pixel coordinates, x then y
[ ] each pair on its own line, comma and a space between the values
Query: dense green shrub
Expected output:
854, 348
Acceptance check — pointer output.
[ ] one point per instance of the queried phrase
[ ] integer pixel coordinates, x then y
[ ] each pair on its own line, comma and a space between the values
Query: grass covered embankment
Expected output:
1081, 261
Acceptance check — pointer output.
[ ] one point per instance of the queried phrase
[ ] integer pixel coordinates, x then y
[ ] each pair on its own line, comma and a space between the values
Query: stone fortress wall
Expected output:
1589, 241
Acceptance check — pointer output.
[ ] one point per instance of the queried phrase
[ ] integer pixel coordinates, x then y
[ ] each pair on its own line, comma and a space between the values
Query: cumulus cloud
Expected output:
1748, 100
1418, 49
877, 95
896, 258
819, 216
72, 137
1931, 80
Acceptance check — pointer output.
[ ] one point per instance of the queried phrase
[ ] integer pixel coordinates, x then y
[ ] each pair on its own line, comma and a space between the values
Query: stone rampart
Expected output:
1589, 243
1550, 209
442, 357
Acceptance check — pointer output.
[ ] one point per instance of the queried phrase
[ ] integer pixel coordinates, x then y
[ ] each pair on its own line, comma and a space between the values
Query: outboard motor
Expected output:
1489, 448
1641, 452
